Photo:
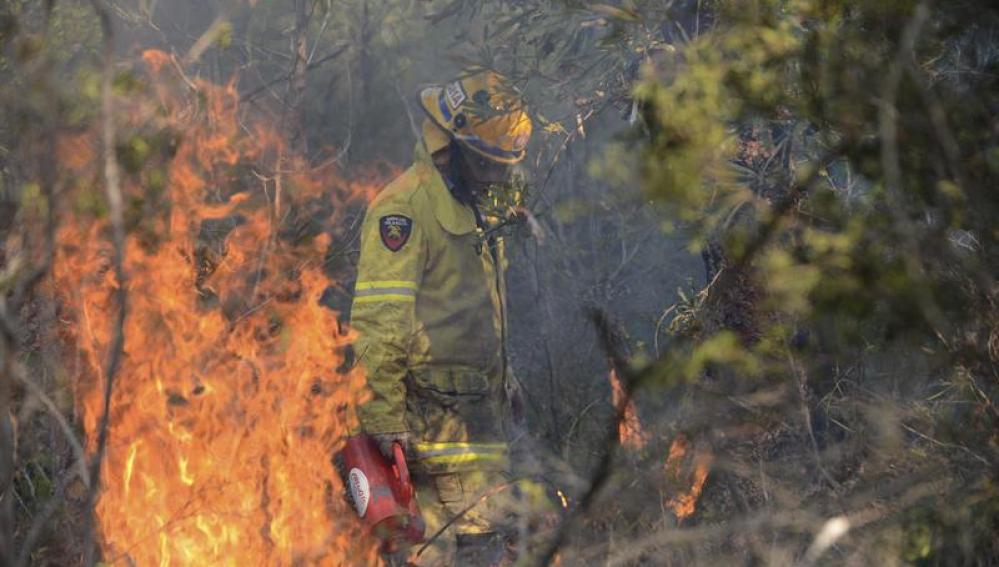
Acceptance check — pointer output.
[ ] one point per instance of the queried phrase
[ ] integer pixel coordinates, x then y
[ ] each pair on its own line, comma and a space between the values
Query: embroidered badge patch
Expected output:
395, 230
455, 94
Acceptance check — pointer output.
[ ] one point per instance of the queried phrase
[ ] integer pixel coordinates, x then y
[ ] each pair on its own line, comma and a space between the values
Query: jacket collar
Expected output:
453, 217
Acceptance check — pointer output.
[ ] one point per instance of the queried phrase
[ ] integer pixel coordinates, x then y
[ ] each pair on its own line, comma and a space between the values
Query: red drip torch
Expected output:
381, 492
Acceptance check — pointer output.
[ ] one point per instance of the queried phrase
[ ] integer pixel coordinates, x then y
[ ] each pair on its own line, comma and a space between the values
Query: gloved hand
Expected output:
386, 440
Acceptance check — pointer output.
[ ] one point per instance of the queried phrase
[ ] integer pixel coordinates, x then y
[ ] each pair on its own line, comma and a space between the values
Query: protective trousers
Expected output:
477, 509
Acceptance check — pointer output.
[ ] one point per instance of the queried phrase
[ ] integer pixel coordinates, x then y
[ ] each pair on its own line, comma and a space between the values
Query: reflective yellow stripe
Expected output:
462, 445
385, 291
458, 452
385, 283
385, 297
463, 458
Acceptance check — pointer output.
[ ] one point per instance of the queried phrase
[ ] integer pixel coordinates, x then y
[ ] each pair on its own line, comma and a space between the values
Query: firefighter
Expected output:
429, 309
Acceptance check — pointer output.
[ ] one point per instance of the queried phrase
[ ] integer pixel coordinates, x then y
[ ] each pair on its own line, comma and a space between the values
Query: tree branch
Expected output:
256, 92
112, 187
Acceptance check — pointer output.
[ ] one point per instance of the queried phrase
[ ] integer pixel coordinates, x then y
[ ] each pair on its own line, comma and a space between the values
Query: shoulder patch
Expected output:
395, 231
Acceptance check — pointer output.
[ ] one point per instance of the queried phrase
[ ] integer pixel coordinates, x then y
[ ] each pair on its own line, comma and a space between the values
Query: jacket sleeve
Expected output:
383, 311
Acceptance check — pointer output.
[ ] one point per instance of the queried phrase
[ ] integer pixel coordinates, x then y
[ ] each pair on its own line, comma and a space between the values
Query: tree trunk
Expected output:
296, 80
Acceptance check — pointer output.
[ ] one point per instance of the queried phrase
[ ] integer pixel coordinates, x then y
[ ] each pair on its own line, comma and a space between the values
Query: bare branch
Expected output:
211, 35
112, 187
337, 51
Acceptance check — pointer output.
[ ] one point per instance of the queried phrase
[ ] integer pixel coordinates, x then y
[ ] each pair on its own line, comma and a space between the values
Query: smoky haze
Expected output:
602, 247
751, 304
339, 82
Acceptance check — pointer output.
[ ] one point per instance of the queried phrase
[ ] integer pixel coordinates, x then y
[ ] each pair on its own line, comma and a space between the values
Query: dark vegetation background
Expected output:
775, 219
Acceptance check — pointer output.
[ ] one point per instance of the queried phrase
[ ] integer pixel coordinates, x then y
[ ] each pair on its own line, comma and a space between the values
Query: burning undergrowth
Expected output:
684, 472
232, 393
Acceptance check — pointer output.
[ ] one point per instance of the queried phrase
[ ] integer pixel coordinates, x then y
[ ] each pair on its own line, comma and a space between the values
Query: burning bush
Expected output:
227, 405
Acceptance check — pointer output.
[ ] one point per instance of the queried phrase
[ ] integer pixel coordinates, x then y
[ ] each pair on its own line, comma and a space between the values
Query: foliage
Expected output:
767, 120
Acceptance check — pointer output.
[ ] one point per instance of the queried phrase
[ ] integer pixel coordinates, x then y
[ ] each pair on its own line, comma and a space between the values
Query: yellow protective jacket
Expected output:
430, 320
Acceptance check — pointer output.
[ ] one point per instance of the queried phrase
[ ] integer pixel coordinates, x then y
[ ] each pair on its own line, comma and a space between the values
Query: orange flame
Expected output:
226, 409
629, 430
689, 472
681, 471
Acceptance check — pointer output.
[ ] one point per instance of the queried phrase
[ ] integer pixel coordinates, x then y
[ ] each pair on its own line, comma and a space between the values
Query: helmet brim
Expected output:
433, 104
429, 100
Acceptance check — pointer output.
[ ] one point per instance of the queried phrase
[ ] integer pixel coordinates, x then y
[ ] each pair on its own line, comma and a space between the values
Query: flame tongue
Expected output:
226, 408
629, 428
687, 474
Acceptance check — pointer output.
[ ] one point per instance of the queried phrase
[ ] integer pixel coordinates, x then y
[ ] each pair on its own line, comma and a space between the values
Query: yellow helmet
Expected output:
483, 112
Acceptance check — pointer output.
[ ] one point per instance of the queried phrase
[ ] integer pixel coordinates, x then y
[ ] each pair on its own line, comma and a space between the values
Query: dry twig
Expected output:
112, 187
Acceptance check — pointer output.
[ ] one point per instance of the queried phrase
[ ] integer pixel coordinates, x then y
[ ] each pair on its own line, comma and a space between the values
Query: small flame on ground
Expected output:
629, 429
685, 476
226, 409
686, 471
